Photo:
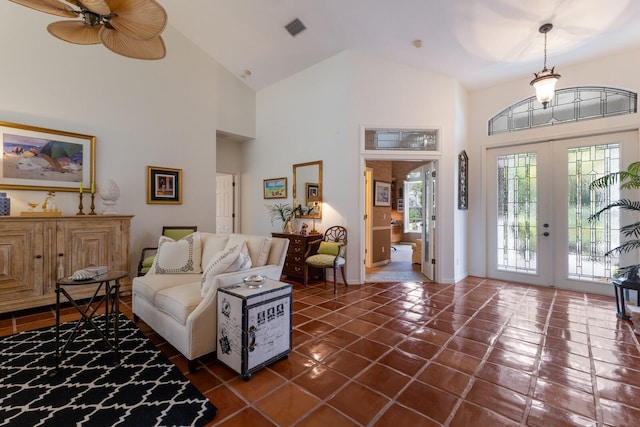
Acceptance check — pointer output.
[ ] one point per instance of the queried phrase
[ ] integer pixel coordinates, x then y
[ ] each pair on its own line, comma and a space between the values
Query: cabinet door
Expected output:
91, 243
21, 260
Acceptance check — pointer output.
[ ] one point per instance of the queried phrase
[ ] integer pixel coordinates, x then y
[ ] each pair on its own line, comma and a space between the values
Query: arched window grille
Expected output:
568, 105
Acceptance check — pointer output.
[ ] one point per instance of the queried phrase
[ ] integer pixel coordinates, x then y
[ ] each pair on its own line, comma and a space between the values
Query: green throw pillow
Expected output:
148, 261
329, 248
178, 233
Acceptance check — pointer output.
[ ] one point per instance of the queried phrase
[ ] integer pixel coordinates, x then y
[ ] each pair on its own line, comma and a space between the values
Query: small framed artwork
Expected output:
164, 185
35, 158
463, 181
382, 193
275, 188
312, 193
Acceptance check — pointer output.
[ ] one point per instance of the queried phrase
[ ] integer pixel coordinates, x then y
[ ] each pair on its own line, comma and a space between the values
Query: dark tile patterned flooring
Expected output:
477, 353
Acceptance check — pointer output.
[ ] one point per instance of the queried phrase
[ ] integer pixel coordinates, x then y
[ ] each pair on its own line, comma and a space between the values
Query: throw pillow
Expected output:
211, 245
220, 263
329, 248
177, 257
242, 262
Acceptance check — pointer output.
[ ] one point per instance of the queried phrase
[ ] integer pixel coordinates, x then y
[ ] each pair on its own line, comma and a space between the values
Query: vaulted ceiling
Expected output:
479, 42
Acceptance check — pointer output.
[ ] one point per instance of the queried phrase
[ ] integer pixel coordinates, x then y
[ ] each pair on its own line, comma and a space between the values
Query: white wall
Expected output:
318, 114
161, 113
461, 217
618, 71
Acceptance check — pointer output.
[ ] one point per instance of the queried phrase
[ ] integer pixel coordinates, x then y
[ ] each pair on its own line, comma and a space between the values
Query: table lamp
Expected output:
316, 205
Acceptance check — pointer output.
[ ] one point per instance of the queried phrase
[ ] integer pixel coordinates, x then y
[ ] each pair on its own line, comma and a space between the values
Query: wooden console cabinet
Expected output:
31, 249
294, 263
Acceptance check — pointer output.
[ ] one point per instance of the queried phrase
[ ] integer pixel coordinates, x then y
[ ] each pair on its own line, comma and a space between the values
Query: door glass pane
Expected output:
516, 231
588, 241
413, 206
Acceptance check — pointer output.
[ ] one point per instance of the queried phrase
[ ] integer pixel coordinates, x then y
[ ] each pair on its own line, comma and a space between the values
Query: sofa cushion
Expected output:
178, 257
148, 286
242, 262
221, 262
211, 245
179, 301
259, 247
148, 261
324, 260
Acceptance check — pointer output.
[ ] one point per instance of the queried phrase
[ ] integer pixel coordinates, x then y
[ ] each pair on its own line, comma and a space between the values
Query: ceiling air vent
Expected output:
295, 27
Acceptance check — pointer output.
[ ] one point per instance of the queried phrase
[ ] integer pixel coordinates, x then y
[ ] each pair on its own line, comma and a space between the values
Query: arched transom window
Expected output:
568, 105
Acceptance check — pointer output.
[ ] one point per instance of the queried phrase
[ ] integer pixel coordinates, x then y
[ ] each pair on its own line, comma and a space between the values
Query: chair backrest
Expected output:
336, 233
177, 232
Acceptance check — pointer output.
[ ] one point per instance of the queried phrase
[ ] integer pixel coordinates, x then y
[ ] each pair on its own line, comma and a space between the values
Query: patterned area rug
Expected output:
145, 390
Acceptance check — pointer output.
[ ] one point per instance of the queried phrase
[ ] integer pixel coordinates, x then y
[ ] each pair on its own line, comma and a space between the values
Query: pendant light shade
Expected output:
545, 80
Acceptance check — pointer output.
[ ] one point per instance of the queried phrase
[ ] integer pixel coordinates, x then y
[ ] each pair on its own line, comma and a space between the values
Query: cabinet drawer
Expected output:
295, 269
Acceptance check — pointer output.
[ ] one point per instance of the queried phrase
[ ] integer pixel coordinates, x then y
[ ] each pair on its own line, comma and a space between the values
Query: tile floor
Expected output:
478, 353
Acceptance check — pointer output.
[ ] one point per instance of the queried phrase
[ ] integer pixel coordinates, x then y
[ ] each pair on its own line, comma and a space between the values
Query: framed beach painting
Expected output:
164, 185
275, 188
35, 158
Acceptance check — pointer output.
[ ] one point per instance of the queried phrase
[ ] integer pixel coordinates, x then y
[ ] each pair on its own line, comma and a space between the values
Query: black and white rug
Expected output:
145, 390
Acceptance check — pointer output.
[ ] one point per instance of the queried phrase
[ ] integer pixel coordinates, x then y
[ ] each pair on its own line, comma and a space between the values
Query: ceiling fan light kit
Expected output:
545, 80
130, 28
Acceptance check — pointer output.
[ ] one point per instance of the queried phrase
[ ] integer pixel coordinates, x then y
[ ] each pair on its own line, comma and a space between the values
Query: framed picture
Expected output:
275, 188
35, 158
312, 193
164, 185
382, 193
463, 181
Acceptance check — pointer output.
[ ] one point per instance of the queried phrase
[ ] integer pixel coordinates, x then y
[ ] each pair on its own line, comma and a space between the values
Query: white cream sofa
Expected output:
181, 307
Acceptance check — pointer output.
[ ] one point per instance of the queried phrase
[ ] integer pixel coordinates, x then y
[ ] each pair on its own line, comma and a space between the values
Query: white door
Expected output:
429, 221
538, 204
368, 229
225, 211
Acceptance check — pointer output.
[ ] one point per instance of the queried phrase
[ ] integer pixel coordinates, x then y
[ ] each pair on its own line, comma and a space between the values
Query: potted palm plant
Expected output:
281, 212
627, 276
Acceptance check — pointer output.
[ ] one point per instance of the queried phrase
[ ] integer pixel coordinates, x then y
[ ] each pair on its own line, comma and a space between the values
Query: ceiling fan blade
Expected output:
138, 19
95, 6
53, 7
75, 32
117, 42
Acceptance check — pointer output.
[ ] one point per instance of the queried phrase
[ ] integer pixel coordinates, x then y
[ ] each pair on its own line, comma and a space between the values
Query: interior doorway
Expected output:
411, 222
226, 200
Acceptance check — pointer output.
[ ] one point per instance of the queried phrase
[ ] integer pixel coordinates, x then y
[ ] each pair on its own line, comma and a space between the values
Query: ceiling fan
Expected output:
127, 27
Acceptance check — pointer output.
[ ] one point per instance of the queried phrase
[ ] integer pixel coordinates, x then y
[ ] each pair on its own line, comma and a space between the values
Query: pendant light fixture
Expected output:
545, 81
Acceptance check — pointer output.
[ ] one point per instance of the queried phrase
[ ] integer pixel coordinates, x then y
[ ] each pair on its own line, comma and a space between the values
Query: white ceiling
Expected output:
478, 42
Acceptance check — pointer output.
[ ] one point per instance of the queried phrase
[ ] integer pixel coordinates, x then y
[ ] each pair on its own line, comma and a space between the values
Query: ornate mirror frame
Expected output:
307, 188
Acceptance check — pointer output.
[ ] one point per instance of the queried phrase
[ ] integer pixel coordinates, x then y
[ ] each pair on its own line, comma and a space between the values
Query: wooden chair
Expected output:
330, 252
175, 232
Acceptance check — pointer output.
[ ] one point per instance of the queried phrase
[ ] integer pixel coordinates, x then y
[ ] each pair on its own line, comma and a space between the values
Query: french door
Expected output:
538, 204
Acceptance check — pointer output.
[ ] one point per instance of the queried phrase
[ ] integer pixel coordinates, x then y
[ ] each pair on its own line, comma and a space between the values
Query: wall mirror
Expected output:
307, 188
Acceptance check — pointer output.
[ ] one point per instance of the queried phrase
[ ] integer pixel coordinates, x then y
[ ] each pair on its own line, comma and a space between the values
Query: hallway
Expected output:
400, 268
